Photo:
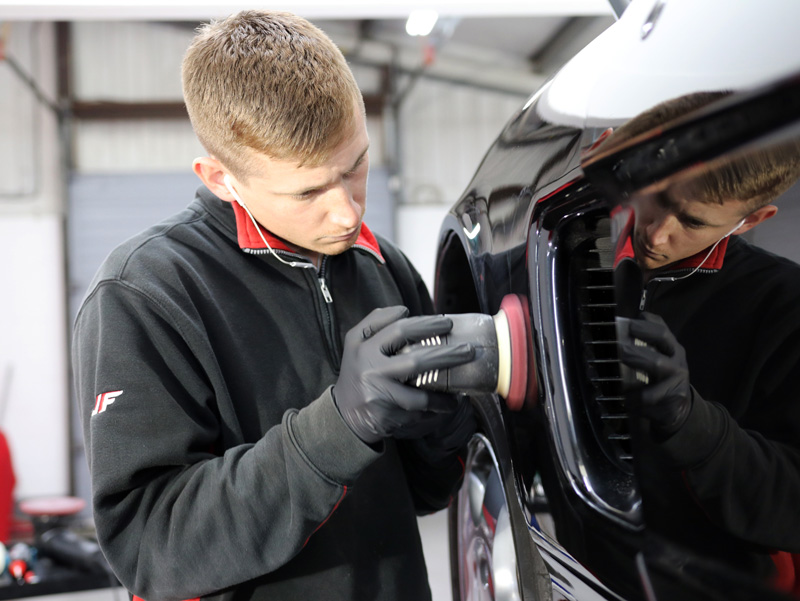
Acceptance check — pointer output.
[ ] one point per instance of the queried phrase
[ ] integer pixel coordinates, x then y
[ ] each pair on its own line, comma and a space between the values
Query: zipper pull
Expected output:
643, 299
325, 292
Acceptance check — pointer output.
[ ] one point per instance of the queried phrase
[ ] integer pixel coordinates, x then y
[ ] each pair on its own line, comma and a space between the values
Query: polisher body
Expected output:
501, 361
480, 374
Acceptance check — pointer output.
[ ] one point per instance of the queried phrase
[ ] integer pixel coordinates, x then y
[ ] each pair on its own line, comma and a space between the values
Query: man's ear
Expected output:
756, 217
212, 174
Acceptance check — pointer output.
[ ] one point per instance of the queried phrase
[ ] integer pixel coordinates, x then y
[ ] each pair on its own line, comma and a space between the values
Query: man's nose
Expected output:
343, 210
659, 230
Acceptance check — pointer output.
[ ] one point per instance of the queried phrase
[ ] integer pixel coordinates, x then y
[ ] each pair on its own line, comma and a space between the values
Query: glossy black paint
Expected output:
526, 189
527, 212
760, 116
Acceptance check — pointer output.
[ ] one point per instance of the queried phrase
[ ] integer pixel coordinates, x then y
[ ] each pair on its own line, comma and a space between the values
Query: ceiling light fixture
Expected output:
421, 22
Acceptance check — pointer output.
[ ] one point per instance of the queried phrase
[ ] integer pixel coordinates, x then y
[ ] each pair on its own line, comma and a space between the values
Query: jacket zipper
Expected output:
325, 292
330, 326
672, 277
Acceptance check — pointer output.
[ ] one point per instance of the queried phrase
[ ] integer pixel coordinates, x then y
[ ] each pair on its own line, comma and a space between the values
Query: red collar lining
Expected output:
713, 262
248, 236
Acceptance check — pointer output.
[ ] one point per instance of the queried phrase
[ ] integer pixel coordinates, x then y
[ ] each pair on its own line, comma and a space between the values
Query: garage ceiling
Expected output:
506, 45
312, 9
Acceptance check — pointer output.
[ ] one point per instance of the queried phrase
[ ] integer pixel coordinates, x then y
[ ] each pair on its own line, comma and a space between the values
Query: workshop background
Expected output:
95, 145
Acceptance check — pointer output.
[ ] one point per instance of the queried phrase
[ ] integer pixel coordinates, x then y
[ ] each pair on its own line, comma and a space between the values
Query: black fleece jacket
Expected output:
728, 482
220, 466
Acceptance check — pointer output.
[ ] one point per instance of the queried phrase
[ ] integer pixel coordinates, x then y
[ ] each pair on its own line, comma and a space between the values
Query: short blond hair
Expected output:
269, 82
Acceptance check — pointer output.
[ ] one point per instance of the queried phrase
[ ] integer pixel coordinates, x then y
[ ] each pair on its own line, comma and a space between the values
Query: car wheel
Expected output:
486, 554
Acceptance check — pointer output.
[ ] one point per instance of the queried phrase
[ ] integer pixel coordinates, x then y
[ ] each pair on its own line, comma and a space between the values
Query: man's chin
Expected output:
338, 247
648, 264
648, 261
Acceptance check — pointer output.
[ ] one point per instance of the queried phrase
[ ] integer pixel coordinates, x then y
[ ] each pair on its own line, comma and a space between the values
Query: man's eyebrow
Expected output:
665, 200
686, 217
360, 159
358, 162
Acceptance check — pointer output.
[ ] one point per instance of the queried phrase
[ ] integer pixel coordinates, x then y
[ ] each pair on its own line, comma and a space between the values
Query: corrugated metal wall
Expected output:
19, 128
131, 62
143, 145
128, 61
445, 127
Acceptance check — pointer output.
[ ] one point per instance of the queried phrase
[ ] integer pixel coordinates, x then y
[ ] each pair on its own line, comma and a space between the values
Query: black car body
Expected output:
551, 507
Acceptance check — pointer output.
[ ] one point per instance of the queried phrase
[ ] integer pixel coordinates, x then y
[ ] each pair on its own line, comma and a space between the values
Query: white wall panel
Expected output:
33, 348
33, 362
370, 79
418, 234
158, 145
128, 61
24, 153
446, 129
139, 145
17, 124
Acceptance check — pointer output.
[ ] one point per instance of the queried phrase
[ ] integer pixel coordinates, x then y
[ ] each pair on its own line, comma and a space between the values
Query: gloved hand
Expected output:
451, 433
661, 389
371, 393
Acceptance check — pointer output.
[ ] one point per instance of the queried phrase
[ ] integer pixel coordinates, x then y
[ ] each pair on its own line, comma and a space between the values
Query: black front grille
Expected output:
592, 278
582, 371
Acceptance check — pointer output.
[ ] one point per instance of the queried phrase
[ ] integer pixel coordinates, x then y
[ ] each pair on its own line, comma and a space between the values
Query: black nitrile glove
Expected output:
661, 388
371, 393
450, 435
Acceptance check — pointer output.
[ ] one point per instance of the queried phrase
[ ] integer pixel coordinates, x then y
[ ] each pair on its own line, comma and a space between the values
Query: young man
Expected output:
717, 352
247, 423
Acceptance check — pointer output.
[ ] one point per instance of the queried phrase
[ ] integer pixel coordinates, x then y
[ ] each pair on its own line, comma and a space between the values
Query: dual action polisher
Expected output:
503, 362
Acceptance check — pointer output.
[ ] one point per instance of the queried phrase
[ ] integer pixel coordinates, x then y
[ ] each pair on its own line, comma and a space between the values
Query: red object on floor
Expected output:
52, 506
7, 483
17, 568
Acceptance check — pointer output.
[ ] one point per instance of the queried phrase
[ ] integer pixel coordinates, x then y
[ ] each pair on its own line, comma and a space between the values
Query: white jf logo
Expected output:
104, 400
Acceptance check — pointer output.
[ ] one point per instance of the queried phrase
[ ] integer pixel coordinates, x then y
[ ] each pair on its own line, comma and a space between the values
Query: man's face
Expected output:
669, 229
318, 210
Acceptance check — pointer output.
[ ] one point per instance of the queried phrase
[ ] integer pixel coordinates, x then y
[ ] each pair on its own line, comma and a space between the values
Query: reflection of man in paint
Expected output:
676, 220
717, 351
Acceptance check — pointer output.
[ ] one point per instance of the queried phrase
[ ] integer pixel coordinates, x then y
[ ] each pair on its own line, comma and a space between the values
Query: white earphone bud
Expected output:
236, 197
736, 227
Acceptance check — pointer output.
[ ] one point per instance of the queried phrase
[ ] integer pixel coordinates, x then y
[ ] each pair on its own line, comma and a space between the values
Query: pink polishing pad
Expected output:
512, 306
